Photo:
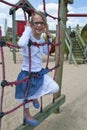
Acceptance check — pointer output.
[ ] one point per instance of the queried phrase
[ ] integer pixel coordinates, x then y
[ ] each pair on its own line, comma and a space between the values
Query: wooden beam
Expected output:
69, 1
46, 112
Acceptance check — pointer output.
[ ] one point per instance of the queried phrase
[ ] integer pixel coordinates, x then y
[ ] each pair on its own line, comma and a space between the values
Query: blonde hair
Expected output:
40, 14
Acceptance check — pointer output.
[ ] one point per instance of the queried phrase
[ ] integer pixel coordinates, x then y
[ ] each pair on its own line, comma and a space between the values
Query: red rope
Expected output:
44, 8
17, 82
76, 15
23, 3
9, 44
3, 64
16, 46
3, 73
5, 2
25, 79
27, 90
47, 58
33, 43
12, 110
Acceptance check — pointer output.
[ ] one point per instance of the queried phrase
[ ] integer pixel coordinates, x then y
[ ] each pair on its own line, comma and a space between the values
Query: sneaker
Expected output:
32, 123
36, 104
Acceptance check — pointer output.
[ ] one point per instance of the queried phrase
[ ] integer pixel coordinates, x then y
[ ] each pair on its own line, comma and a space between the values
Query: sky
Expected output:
78, 6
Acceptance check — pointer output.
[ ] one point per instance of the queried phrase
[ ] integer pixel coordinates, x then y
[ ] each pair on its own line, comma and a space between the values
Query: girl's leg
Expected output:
28, 119
26, 111
27, 114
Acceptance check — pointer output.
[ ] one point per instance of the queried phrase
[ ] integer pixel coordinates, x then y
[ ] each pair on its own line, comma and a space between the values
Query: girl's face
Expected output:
38, 26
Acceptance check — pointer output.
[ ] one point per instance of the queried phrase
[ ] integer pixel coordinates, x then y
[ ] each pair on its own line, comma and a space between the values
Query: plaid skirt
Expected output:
34, 82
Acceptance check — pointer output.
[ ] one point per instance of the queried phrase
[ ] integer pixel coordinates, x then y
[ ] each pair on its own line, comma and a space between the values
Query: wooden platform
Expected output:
46, 112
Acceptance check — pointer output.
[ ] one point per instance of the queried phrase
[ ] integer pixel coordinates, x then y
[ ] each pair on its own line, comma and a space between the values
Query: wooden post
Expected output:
63, 16
70, 54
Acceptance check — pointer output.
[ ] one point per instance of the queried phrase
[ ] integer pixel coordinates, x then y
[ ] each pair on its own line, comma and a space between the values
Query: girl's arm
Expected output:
23, 41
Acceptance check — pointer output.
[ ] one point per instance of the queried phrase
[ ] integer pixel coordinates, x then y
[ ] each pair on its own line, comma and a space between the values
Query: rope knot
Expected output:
25, 101
2, 114
2, 42
25, 7
48, 42
59, 18
4, 83
29, 43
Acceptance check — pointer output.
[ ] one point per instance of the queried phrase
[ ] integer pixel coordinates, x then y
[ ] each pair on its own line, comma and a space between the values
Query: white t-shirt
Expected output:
36, 52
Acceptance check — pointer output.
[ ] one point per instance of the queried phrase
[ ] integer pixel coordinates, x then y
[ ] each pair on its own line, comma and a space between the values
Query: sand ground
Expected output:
73, 113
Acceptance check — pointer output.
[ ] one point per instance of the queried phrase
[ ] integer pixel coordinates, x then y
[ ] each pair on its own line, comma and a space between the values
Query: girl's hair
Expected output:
40, 14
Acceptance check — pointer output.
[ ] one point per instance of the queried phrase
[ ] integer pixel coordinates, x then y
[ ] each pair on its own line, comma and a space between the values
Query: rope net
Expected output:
4, 43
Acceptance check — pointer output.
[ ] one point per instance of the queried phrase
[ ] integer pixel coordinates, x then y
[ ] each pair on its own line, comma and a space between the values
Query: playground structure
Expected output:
76, 46
54, 106
75, 43
59, 99
80, 48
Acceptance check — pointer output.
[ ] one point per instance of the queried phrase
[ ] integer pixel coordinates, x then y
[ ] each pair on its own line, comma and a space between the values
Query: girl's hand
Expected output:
48, 33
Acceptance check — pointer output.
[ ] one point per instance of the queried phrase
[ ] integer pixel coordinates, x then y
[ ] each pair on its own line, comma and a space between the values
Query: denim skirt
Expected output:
30, 86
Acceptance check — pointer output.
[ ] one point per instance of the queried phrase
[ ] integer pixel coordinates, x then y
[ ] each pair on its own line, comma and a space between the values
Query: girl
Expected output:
40, 83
